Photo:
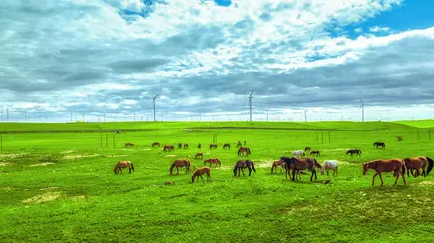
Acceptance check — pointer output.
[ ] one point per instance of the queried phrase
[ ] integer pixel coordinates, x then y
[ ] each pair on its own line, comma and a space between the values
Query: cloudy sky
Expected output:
82, 57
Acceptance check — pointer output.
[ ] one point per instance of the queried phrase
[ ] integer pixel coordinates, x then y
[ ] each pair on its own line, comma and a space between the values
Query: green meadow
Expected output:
57, 184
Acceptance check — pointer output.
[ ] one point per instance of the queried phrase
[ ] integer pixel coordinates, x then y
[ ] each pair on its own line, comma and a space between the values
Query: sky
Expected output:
103, 60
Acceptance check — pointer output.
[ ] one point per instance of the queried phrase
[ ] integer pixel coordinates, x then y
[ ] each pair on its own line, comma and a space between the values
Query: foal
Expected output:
201, 171
123, 164
215, 161
278, 163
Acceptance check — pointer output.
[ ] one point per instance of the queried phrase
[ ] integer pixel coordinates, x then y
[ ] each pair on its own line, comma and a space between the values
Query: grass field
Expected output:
60, 186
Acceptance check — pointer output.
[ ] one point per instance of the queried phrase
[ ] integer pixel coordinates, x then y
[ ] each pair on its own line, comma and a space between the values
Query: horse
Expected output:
199, 155
244, 151
186, 145
180, 163
418, 163
379, 144
245, 143
239, 144
213, 145
354, 151
278, 163
156, 144
200, 172
129, 145
213, 161
123, 164
241, 165
306, 149
199, 146
179, 145
330, 165
315, 152
226, 145
395, 165
297, 153
168, 148
297, 165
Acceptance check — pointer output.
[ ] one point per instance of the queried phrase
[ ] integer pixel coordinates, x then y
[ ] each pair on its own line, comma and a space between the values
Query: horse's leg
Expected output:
250, 171
242, 170
397, 176
327, 172
381, 178
293, 174
129, 168
374, 178
403, 177
177, 170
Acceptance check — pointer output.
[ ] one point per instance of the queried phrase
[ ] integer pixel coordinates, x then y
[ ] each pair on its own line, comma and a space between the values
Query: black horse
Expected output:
298, 165
241, 165
379, 144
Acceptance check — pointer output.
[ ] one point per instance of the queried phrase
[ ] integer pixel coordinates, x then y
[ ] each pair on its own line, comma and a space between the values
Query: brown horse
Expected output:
239, 144
306, 149
199, 146
199, 155
156, 144
241, 165
168, 148
315, 152
213, 145
395, 165
354, 151
380, 144
180, 163
278, 163
123, 164
186, 145
298, 165
179, 145
418, 163
201, 171
215, 161
226, 145
129, 145
244, 151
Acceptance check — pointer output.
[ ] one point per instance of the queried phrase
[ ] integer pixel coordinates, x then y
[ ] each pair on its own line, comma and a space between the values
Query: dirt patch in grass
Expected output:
6, 188
67, 152
79, 156
42, 198
171, 156
42, 164
4, 163
426, 183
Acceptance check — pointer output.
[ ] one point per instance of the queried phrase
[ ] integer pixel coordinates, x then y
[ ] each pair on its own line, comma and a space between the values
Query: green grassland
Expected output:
57, 184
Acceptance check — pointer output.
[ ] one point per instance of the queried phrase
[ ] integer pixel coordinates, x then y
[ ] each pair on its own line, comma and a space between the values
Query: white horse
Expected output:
297, 153
330, 165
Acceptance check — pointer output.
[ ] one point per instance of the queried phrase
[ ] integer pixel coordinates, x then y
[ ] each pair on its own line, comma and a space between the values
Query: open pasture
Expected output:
60, 186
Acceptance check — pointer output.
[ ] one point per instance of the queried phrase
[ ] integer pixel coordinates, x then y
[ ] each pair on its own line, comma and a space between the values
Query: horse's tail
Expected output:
253, 167
235, 171
132, 166
430, 165
171, 168
273, 166
403, 167
115, 169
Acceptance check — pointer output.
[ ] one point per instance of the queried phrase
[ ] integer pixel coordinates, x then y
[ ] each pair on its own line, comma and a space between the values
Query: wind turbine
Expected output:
305, 114
153, 100
362, 106
250, 105
267, 114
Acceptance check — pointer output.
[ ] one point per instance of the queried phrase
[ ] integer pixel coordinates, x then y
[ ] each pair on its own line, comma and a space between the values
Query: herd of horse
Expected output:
297, 164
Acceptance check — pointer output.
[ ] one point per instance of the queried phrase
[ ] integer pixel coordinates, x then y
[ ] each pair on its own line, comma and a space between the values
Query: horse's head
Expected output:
365, 167
322, 170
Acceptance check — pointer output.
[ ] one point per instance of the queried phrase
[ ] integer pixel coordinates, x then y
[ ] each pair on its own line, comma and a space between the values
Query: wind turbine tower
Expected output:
250, 105
153, 99
305, 114
362, 106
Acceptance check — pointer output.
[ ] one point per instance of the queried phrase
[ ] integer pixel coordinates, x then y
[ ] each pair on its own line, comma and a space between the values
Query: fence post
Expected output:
429, 135
1, 141
316, 134
322, 137
101, 138
329, 136
106, 140
418, 136
114, 140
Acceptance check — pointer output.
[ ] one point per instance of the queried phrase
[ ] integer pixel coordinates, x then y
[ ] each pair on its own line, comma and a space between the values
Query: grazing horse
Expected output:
306, 149
278, 163
297, 153
245, 142
354, 151
168, 148
199, 155
418, 163
186, 145
380, 144
330, 165
244, 151
395, 165
129, 145
201, 171
241, 165
179, 145
213, 145
297, 165
226, 145
123, 164
156, 144
215, 161
239, 144
180, 163
199, 146
315, 152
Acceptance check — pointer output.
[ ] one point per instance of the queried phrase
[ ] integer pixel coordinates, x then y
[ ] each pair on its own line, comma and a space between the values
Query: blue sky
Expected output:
204, 57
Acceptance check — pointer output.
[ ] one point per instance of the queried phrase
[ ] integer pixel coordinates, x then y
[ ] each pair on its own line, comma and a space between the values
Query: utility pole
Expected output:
250, 104
153, 100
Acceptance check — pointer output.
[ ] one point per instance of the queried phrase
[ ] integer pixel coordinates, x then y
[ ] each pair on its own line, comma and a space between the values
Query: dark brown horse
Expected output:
315, 152
168, 148
306, 149
199, 156
241, 165
199, 146
380, 144
179, 145
129, 145
244, 151
416, 163
215, 161
186, 145
239, 144
395, 165
201, 171
122, 165
278, 163
354, 151
156, 144
180, 163
226, 145
298, 165
213, 145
